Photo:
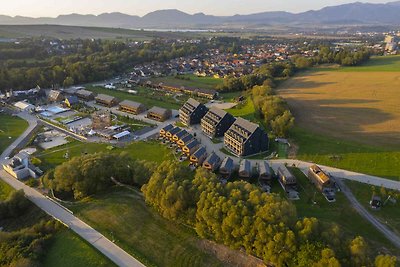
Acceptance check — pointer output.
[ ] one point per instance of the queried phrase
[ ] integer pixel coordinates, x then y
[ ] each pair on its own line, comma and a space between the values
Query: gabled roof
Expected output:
245, 166
219, 112
249, 126
192, 144
168, 127
105, 98
227, 164
131, 104
175, 130
158, 110
212, 159
181, 134
199, 152
265, 169
187, 138
84, 92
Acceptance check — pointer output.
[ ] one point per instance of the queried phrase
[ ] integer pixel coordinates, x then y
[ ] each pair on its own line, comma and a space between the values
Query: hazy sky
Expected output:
36, 8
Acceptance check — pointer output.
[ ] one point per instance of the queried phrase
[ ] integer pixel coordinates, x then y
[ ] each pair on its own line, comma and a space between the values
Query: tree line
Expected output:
238, 214
27, 246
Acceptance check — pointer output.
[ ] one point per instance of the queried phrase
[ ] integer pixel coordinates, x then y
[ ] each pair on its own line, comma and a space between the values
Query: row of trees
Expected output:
241, 216
27, 246
92, 173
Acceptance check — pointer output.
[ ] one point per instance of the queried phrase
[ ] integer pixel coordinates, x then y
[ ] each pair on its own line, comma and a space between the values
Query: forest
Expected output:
238, 214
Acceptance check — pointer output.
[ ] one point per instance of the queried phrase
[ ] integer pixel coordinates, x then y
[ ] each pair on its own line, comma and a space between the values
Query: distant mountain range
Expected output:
348, 14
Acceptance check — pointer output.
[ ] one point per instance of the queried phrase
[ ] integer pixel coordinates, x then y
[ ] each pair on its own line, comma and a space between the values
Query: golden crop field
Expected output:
352, 104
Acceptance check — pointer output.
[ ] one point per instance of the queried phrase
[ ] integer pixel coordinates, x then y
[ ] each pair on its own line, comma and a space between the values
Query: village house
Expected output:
212, 162
245, 171
216, 122
227, 167
191, 147
192, 112
265, 172
132, 107
159, 114
166, 129
245, 138
198, 157
185, 140
176, 137
170, 133
85, 95
106, 100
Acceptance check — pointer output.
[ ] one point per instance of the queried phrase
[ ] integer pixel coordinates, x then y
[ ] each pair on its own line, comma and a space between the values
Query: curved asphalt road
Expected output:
104, 245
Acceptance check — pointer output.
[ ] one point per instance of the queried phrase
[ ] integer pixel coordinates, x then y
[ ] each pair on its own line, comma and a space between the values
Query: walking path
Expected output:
104, 245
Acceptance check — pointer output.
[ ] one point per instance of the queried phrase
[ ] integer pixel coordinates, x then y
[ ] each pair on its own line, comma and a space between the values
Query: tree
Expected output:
281, 124
69, 81
385, 261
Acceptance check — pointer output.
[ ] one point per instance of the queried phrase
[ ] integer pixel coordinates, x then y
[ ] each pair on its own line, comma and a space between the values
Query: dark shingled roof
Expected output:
192, 144
105, 98
227, 164
131, 104
175, 130
212, 159
265, 169
245, 166
158, 110
187, 138
168, 127
199, 152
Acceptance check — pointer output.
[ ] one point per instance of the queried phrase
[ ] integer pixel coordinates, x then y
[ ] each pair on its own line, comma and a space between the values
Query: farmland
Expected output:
347, 103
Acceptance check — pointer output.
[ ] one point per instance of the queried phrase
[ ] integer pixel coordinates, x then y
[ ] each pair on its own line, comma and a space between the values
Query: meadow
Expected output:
10, 129
65, 248
190, 80
123, 216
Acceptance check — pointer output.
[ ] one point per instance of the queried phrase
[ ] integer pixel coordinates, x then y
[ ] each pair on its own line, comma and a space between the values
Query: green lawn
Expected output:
231, 96
378, 63
123, 216
339, 212
5, 190
190, 80
388, 214
10, 127
146, 96
153, 152
68, 249
245, 110
346, 155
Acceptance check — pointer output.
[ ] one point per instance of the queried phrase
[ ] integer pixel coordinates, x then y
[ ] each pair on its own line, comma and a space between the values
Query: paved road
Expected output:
104, 245
395, 239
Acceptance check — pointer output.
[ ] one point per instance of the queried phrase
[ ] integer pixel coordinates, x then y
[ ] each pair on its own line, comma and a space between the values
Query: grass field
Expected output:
51, 158
346, 155
245, 110
360, 104
5, 190
144, 96
339, 212
190, 81
389, 214
68, 249
10, 127
124, 217
65, 249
